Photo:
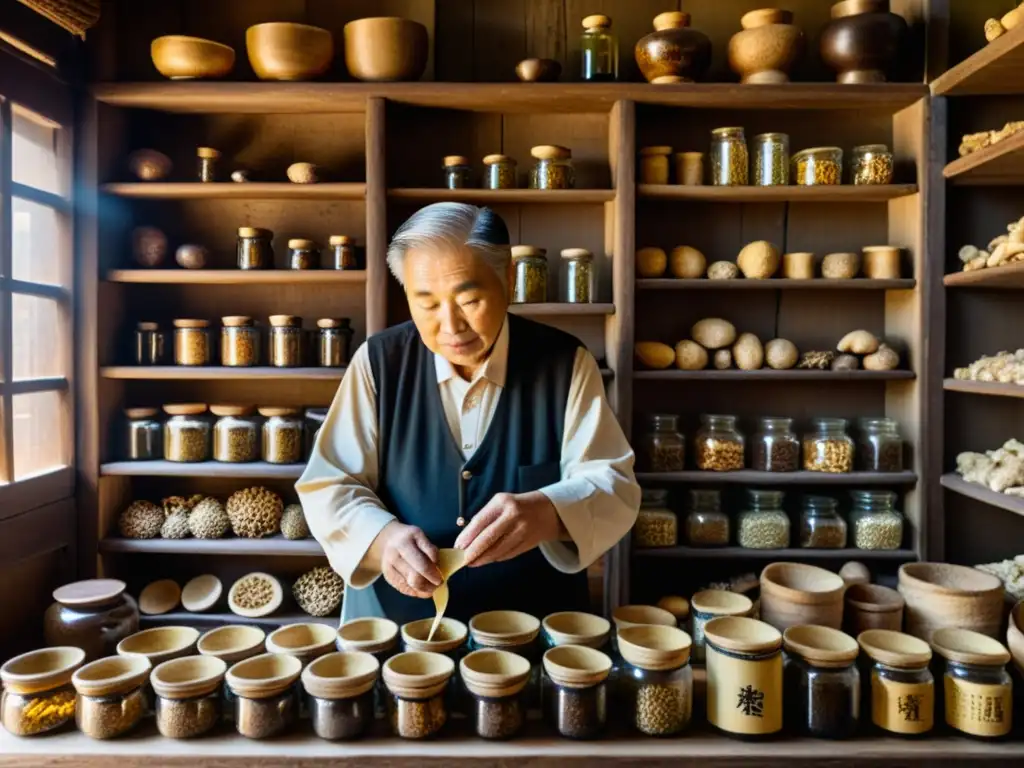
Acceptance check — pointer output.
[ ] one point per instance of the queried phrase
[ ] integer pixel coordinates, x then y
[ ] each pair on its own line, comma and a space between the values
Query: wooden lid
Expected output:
874, 598
721, 602
201, 593
264, 676
188, 677
649, 151
231, 410
111, 675
332, 322
576, 628
236, 321
449, 635
268, 411
551, 152
654, 647
765, 16
633, 615
802, 584
677, 605
89, 592
822, 646
528, 252
894, 649
160, 643
964, 646
743, 635
577, 253
671, 20
232, 642
254, 232
450, 160
302, 243
304, 640
492, 159
498, 629
341, 675
285, 321
41, 670
147, 325
596, 20
494, 673
185, 409
141, 413
208, 153
159, 597
371, 635
341, 240
191, 323
417, 674
576, 666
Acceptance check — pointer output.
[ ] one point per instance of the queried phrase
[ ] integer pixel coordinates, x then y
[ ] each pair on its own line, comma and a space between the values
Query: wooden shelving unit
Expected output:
268, 547
1000, 164
992, 71
504, 196
757, 479
256, 470
224, 373
955, 484
250, 190
790, 194
741, 553
278, 277
215, 619
1010, 276
771, 375
818, 284
991, 388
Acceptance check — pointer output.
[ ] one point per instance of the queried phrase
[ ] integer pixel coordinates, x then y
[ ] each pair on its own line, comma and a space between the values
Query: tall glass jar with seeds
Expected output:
499, 172
192, 342
553, 169
285, 341
656, 679
239, 342
771, 160
282, 435
531, 274
656, 524
871, 164
729, 162
827, 448
875, 521
416, 681
186, 433
719, 444
303, 254
344, 254
599, 50
254, 249
706, 524
776, 447
821, 526
235, 434
143, 434
334, 339
663, 448
494, 681
579, 283
457, 172
879, 447
818, 166
764, 524
576, 690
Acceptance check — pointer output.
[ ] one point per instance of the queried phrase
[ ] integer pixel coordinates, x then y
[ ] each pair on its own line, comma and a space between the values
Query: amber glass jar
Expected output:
254, 249
553, 169
343, 252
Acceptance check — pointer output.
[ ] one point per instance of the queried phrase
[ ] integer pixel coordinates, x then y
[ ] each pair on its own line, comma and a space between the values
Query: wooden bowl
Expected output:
160, 644
282, 50
538, 70
942, 595
872, 606
181, 57
794, 593
385, 49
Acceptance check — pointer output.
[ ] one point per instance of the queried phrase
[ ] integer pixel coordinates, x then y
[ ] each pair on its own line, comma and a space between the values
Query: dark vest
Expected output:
424, 480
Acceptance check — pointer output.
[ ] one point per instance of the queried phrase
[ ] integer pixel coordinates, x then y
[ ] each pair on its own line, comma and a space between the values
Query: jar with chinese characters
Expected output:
977, 690
744, 676
899, 689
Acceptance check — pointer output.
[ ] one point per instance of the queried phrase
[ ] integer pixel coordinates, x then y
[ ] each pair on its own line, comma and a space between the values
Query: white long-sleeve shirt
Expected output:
596, 499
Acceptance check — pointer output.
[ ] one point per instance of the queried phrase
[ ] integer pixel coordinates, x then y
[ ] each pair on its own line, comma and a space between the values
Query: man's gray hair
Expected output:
456, 225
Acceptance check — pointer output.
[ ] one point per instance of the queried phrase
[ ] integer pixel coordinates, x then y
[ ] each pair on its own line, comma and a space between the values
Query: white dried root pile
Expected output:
1001, 470
1005, 368
1010, 572
1001, 250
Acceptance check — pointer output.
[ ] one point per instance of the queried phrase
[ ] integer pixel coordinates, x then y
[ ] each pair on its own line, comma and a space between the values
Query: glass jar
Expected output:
377, 637
764, 525
729, 165
266, 717
663, 448
416, 681
207, 157
599, 50
531, 274
744, 676
710, 604
343, 252
655, 524
107, 717
900, 688
239, 342
880, 447
818, 166
719, 445
315, 418
344, 718
449, 640
579, 276
654, 164
876, 523
494, 683
771, 160
254, 249
511, 631
285, 341
188, 718
339, 688
776, 447
150, 344
553, 169
499, 172
822, 682
235, 434
334, 339
576, 712
303, 254
977, 690
660, 702
821, 526
143, 434
186, 433
706, 524
828, 448
191, 342
37, 696
94, 615
456, 172
282, 435
871, 164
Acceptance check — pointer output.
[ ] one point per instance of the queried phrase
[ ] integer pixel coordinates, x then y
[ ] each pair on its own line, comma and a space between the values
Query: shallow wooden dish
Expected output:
281, 50
181, 57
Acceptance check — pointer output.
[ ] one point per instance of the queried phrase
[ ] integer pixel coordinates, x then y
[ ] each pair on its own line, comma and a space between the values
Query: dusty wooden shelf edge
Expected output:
838, 193
968, 78
272, 545
971, 169
953, 482
556, 308
256, 469
210, 373
236, 276
713, 553
499, 196
990, 388
773, 284
1008, 276
752, 476
250, 190
769, 375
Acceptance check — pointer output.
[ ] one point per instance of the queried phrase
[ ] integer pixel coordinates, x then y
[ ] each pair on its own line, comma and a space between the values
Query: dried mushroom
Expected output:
319, 591
817, 360
176, 526
293, 523
723, 270
208, 519
846, 363
141, 520
255, 512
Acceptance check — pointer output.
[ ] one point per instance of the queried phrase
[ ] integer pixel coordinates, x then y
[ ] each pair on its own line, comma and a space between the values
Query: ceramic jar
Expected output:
94, 615
744, 676
767, 47
340, 689
188, 695
977, 690
862, 41
899, 689
111, 700
673, 53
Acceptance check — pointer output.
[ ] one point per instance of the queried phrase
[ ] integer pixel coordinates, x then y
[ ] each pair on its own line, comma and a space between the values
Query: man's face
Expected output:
457, 303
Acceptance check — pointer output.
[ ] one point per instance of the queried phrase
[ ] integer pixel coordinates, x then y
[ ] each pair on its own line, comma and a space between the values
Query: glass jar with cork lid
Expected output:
282, 435
235, 434
494, 680
729, 160
553, 169
150, 344
207, 161
143, 434
531, 274
343, 252
599, 50
191, 342
254, 249
285, 341
818, 166
186, 433
580, 284
334, 339
239, 342
821, 681
457, 172
416, 682
499, 172
576, 690
656, 679
303, 254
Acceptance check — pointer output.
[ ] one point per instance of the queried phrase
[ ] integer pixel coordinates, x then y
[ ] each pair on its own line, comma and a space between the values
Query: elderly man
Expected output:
467, 427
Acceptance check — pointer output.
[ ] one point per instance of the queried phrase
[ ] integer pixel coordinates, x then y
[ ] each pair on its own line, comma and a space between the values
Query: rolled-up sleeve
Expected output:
598, 497
337, 487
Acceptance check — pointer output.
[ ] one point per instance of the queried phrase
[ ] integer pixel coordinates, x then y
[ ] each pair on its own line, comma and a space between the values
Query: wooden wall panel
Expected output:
419, 139
26, 589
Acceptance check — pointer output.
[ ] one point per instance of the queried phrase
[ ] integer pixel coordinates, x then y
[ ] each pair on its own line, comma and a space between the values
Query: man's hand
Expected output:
508, 525
408, 560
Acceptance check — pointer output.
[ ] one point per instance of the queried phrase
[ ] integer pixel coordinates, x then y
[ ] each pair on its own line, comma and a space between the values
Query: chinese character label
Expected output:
910, 707
751, 701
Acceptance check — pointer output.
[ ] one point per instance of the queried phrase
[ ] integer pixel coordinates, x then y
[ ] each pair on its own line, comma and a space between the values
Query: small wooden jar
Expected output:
744, 676
654, 165
798, 266
689, 168
840, 266
881, 262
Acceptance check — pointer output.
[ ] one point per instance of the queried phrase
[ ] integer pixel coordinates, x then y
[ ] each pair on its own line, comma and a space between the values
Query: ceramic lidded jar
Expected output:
94, 615
767, 47
673, 53
862, 41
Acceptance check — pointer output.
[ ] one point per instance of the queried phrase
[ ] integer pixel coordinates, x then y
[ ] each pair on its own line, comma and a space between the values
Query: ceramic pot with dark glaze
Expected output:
94, 615
862, 41
767, 47
673, 53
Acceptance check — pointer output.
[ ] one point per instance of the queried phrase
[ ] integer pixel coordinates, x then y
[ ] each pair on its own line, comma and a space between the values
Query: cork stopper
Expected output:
207, 153
822, 646
231, 410
147, 326
492, 159
894, 649
671, 20
551, 152
191, 323
254, 232
185, 409
451, 160
141, 413
285, 321
341, 240
963, 646
596, 21
742, 635
302, 244
528, 251
236, 321
577, 253
268, 411
332, 322
654, 151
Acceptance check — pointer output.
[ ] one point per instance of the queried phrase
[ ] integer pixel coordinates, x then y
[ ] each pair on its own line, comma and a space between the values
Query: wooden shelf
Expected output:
993, 70
742, 553
840, 193
766, 374
993, 388
1009, 276
754, 478
254, 470
953, 482
237, 276
212, 620
250, 190
295, 98
1000, 164
774, 284
562, 309
218, 373
503, 196
274, 545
